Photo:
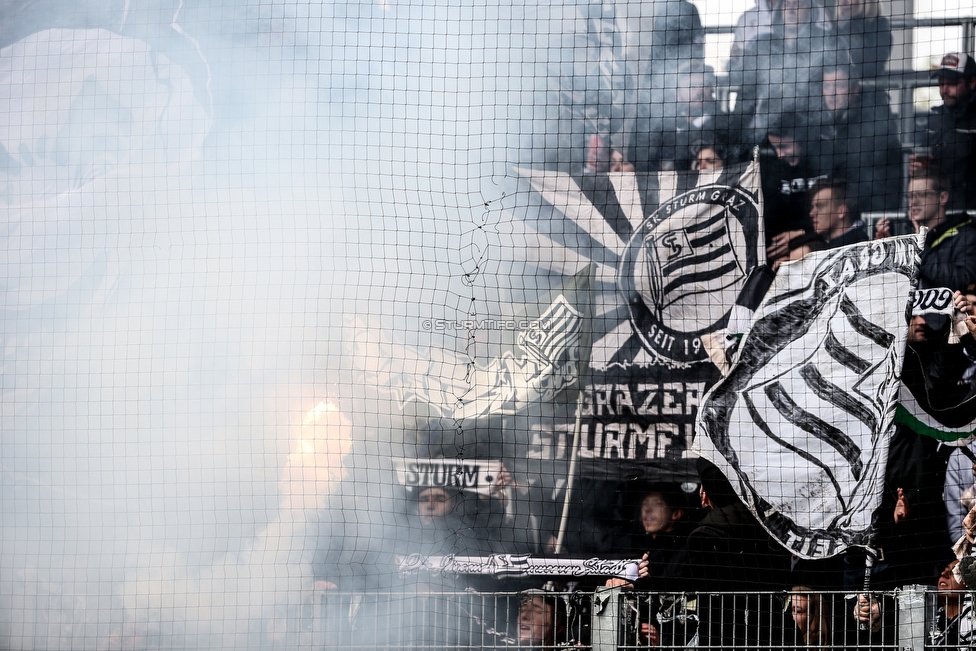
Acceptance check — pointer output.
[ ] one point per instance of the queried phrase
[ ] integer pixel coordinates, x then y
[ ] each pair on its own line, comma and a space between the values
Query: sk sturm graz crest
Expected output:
676, 246
551, 344
801, 424
684, 267
672, 252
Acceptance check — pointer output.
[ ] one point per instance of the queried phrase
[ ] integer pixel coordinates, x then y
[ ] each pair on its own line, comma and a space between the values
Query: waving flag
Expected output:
547, 357
546, 354
801, 424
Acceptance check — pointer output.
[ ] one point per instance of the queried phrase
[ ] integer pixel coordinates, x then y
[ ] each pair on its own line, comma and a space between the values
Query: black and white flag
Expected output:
672, 252
801, 425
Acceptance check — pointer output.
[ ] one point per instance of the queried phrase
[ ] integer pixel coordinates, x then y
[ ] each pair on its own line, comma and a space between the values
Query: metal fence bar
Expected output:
909, 619
897, 22
608, 606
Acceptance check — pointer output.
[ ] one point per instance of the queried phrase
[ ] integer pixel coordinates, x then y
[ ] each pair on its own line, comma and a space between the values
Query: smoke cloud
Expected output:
197, 198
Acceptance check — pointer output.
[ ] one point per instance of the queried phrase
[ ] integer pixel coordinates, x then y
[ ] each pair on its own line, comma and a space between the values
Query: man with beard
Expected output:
949, 139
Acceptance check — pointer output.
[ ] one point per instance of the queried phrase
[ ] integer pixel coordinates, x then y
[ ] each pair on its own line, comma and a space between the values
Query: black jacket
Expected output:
949, 258
861, 145
730, 551
951, 136
856, 235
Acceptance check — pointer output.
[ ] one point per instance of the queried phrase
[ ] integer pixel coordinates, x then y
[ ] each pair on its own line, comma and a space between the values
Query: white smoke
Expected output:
194, 197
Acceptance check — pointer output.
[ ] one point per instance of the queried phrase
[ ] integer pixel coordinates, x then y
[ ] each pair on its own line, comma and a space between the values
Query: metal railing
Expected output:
615, 619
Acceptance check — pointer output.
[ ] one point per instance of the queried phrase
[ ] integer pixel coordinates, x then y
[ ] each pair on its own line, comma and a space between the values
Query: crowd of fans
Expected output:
829, 152
808, 89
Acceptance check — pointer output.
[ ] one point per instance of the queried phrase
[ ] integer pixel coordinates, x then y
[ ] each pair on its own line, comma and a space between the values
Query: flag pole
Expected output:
868, 566
573, 463
586, 342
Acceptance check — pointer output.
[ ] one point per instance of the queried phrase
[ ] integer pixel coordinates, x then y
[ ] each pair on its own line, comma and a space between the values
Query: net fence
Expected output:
305, 305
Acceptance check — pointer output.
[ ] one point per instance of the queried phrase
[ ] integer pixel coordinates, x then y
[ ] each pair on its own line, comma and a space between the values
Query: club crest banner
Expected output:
801, 425
673, 251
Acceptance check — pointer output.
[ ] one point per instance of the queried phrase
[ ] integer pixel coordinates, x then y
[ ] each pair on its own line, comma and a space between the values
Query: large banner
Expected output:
673, 251
801, 425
